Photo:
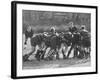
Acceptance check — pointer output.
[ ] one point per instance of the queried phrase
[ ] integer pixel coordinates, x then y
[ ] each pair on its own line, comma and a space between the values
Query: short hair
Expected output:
52, 29
83, 27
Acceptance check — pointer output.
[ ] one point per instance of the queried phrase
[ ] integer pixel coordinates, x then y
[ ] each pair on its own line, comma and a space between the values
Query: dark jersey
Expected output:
84, 34
52, 34
85, 38
76, 38
73, 29
29, 33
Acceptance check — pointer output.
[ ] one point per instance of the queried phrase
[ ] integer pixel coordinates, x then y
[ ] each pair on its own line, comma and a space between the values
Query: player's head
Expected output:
45, 33
82, 27
71, 24
29, 28
52, 29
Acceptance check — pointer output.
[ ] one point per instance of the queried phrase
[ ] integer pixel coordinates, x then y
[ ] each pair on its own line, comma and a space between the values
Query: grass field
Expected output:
56, 63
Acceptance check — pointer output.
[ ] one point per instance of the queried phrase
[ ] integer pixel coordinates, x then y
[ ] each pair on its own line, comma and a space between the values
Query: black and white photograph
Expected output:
56, 39
53, 39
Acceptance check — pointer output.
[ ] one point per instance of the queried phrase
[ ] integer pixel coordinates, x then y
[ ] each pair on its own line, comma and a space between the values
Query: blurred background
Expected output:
42, 20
